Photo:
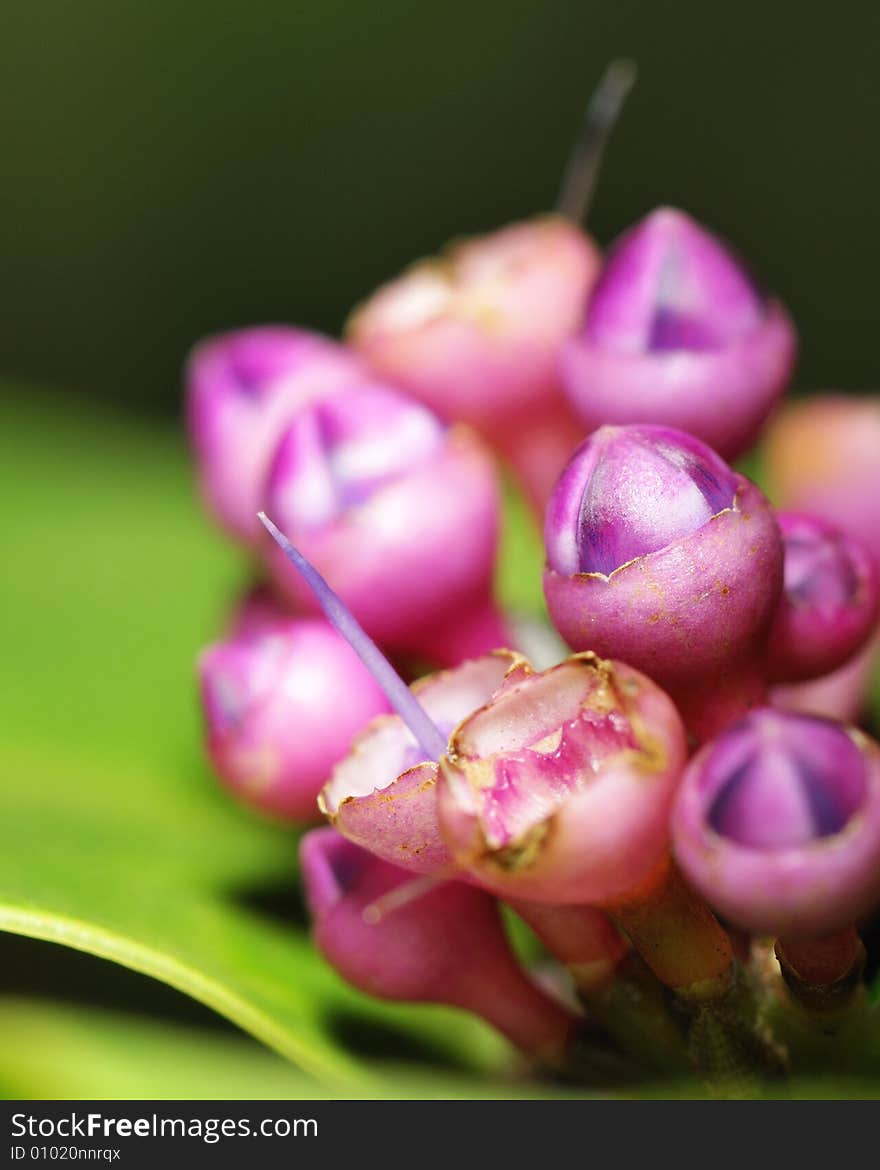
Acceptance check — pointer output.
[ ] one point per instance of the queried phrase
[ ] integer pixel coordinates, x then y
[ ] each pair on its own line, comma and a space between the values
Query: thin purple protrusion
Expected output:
427, 734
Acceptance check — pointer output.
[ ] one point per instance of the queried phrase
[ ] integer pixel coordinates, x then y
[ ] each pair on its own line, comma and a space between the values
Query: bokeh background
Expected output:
174, 169
177, 167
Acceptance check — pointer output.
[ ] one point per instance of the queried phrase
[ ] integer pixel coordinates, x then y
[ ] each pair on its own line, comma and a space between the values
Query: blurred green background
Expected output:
174, 169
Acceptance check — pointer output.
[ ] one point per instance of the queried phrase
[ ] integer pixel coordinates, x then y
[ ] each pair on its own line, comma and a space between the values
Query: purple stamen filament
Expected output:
427, 734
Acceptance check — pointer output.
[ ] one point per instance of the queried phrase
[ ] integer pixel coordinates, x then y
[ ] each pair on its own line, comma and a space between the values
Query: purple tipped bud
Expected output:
241, 388
339, 453
397, 511
777, 823
629, 491
668, 284
829, 603
677, 333
661, 555
282, 700
446, 945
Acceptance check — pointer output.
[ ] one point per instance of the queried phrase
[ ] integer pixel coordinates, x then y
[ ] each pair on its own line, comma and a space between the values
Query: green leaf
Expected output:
114, 837
60, 1052
63, 1051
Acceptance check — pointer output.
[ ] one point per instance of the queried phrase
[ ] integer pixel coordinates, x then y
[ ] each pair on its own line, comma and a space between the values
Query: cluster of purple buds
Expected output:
672, 789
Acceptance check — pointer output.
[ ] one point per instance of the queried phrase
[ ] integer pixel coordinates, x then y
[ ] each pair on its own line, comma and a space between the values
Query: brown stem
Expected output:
822, 973
678, 936
581, 937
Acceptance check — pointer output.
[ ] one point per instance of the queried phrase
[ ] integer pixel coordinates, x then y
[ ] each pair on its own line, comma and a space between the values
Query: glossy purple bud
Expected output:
446, 946
398, 512
630, 491
829, 603
282, 700
677, 333
777, 823
661, 555
241, 388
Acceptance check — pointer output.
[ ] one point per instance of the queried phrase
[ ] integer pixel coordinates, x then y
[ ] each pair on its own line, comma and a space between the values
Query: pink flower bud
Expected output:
382, 795
241, 388
829, 604
823, 455
282, 700
676, 333
398, 512
475, 334
777, 823
559, 788
447, 946
662, 556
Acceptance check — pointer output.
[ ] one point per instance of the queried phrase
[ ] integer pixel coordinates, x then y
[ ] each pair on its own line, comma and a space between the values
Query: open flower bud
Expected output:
590, 740
559, 788
777, 823
677, 333
475, 334
823, 455
383, 794
661, 555
829, 603
241, 388
447, 946
399, 513
282, 700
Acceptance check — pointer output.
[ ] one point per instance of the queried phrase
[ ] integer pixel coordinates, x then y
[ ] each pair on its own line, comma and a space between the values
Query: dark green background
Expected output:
174, 168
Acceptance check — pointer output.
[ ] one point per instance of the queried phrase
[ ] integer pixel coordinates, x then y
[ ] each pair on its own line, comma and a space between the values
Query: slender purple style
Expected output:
432, 741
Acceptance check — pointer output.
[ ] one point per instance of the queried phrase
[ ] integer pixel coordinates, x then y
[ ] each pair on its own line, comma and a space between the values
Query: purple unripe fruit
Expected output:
241, 388
662, 556
677, 333
399, 512
282, 699
829, 603
777, 823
